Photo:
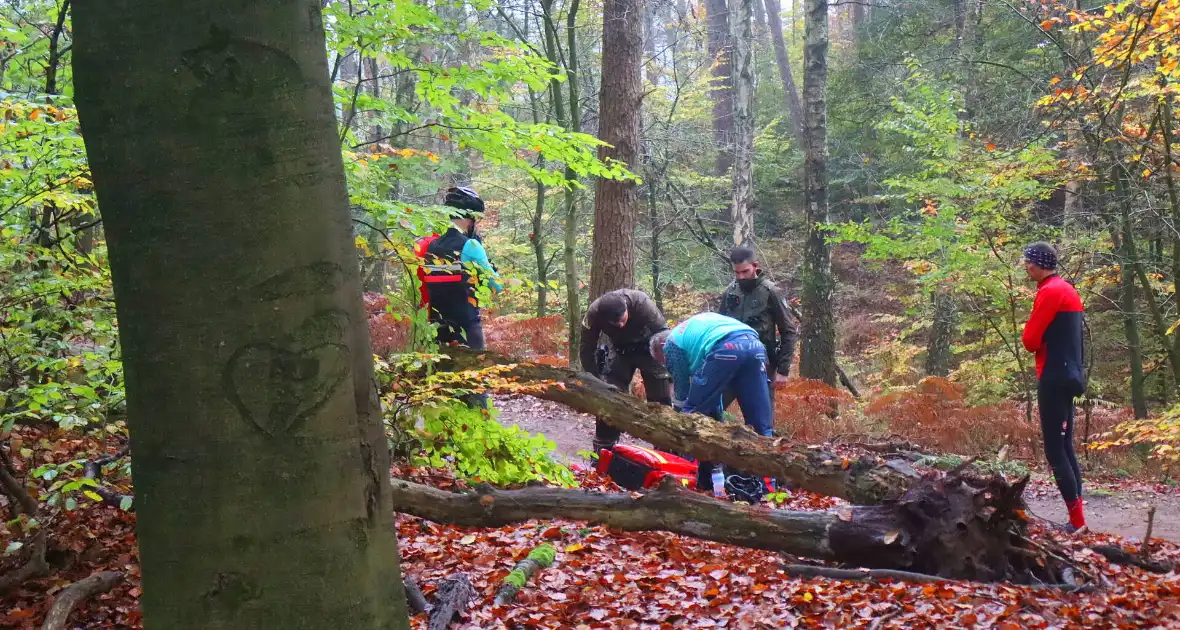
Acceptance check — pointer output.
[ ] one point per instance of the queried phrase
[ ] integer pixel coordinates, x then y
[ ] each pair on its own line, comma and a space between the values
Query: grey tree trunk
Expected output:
573, 122
1127, 304
720, 53
261, 468
942, 334
790, 92
616, 207
817, 359
742, 207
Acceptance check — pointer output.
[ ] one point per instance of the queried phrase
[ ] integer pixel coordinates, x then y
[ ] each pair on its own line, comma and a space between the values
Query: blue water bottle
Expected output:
718, 481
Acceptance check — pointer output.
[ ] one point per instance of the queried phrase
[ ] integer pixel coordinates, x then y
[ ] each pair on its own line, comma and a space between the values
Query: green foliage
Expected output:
472, 443
961, 212
1159, 436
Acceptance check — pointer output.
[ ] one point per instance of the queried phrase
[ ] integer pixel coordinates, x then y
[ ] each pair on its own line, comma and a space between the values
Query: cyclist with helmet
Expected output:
448, 285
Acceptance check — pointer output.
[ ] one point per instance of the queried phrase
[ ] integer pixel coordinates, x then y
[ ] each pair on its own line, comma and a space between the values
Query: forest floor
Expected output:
606, 578
1111, 507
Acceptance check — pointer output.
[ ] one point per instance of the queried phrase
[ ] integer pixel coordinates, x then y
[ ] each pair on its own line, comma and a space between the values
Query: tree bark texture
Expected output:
942, 333
742, 208
817, 358
947, 527
261, 466
1122, 235
572, 121
720, 52
790, 92
616, 207
863, 481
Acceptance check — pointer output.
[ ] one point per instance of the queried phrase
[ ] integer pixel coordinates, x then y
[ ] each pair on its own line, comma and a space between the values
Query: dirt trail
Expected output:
1116, 509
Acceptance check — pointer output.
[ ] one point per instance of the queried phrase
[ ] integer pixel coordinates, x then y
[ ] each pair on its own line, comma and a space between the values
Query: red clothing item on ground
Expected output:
1058, 301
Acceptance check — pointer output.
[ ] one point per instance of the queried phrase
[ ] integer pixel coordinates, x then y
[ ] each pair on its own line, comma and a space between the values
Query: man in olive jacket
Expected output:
759, 304
629, 319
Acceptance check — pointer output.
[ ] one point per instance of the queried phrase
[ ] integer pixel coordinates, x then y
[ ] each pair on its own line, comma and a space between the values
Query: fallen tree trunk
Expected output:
862, 481
453, 595
951, 527
68, 599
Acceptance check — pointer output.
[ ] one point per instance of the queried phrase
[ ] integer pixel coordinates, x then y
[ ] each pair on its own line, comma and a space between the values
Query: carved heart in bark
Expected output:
277, 388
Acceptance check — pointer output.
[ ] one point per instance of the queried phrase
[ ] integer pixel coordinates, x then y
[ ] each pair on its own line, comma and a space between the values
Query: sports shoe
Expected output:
1069, 528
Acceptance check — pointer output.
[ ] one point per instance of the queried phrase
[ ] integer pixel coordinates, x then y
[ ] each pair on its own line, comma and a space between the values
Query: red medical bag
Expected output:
635, 467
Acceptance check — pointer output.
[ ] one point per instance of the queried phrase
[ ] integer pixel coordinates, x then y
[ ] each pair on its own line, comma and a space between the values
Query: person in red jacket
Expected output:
1054, 333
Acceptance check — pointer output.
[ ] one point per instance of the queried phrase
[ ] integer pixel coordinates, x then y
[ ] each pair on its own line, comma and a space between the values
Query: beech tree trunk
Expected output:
942, 333
260, 458
863, 481
790, 92
817, 359
949, 527
742, 209
616, 207
719, 45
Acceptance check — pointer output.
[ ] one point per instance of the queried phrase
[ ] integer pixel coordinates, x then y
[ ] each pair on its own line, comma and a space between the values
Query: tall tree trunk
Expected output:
742, 208
1127, 301
260, 461
616, 208
790, 92
538, 242
942, 334
818, 357
1174, 204
655, 229
572, 121
719, 45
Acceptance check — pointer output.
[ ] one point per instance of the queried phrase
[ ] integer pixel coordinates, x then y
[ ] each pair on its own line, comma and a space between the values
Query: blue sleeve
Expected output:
474, 252
678, 366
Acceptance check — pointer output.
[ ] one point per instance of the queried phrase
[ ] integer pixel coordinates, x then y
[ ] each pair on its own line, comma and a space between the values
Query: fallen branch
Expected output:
1118, 555
811, 571
453, 596
941, 526
415, 600
14, 489
863, 481
540, 558
93, 470
69, 597
1145, 552
35, 567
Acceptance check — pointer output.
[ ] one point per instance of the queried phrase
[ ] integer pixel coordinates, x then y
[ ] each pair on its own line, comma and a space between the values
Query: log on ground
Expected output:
453, 596
863, 481
951, 527
68, 599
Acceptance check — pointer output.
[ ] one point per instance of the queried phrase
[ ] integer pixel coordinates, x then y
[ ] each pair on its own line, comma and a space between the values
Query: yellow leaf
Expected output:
1147, 172
92, 495
575, 547
808, 596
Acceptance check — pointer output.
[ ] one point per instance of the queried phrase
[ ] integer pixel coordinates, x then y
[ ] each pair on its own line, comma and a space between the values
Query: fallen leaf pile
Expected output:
614, 579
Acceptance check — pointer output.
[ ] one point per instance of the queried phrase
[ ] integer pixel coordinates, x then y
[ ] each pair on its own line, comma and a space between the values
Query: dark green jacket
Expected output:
764, 308
645, 320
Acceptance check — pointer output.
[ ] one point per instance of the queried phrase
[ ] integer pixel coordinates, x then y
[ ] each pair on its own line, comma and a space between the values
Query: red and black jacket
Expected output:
1054, 333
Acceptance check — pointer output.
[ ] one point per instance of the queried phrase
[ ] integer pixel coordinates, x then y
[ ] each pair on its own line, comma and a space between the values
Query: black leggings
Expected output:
1056, 409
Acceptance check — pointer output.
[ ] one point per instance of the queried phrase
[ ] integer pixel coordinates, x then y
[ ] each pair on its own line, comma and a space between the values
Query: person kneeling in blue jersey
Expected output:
709, 355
